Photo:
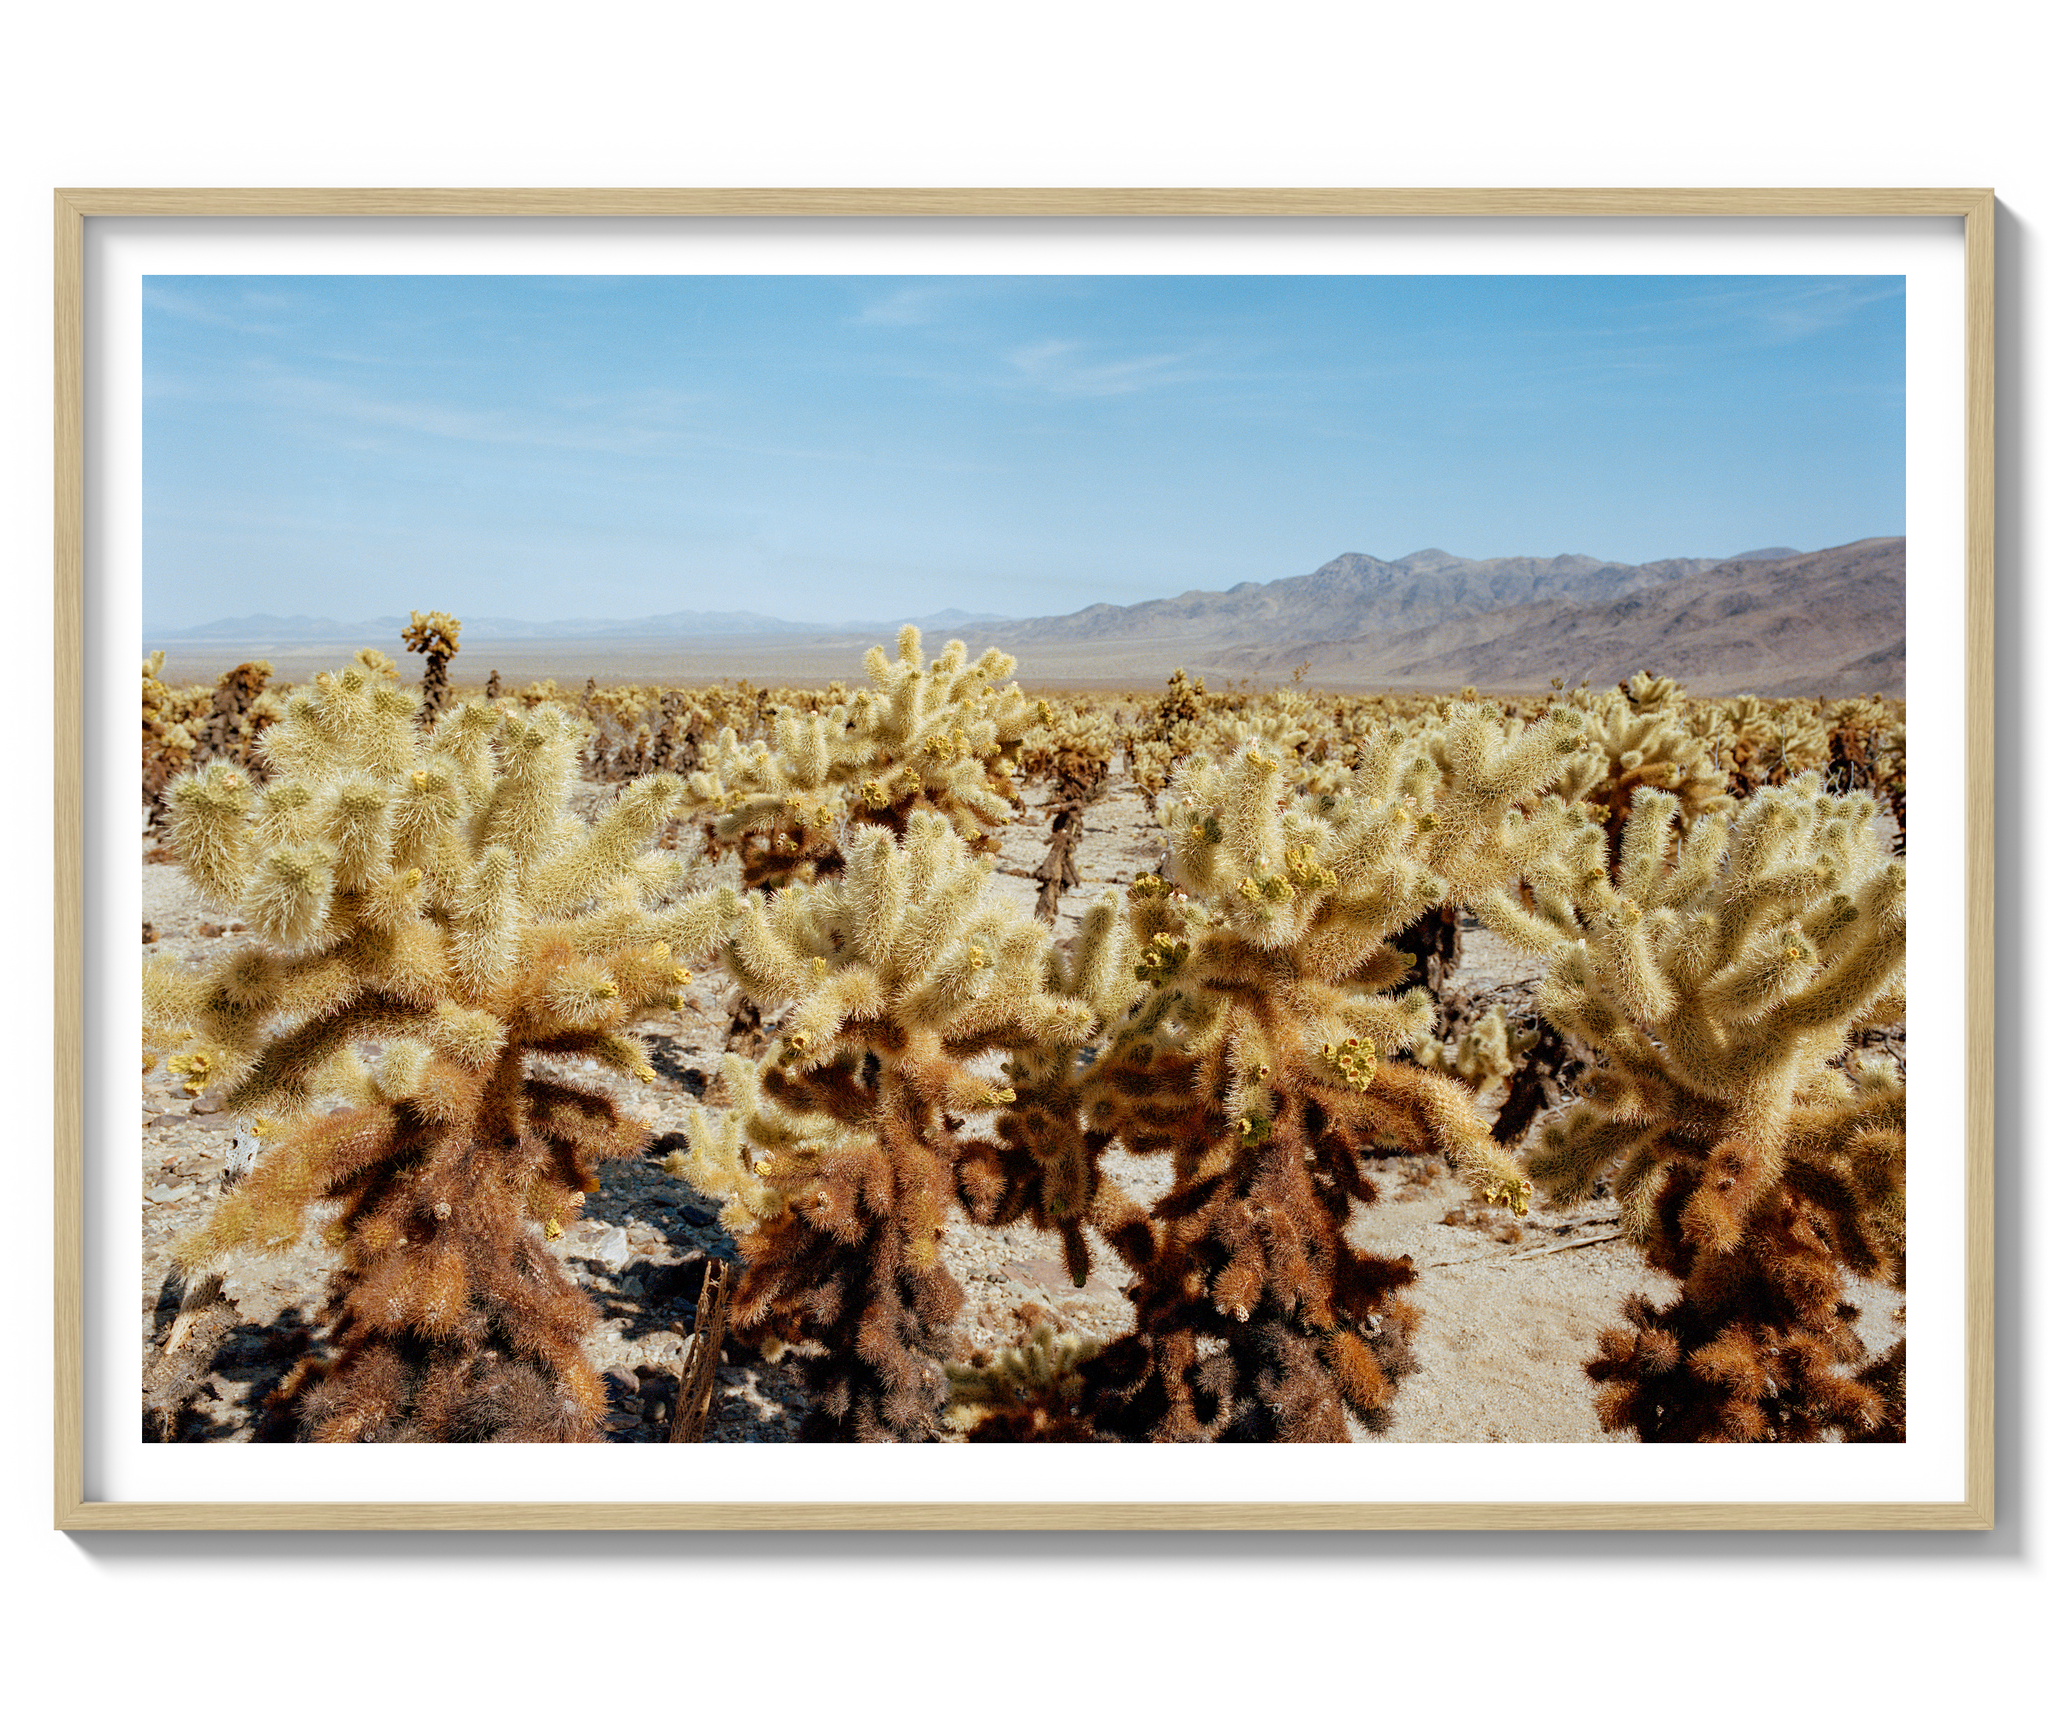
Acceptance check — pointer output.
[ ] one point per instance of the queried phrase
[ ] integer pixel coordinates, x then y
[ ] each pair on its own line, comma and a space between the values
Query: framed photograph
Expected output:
1190, 291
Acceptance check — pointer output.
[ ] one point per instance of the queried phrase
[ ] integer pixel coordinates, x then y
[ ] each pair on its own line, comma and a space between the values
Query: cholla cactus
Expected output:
904, 973
1288, 724
1762, 742
1045, 1164
1717, 988
168, 717
241, 709
1636, 739
426, 891
1069, 748
939, 738
1484, 1057
1180, 710
1649, 692
435, 636
1267, 1060
1024, 1395
1867, 750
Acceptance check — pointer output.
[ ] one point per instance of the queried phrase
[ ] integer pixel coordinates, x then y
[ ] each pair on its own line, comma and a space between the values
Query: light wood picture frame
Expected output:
76, 1508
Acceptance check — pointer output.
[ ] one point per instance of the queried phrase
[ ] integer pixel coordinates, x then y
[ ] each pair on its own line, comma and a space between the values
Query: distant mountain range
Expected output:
1355, 596
1831, 622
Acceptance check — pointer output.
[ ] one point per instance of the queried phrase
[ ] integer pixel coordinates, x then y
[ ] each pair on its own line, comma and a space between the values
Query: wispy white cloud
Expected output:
643, 422
916, 306
1069, 370
638, 424
169, 301
1824, 306
956, 302
1774, 312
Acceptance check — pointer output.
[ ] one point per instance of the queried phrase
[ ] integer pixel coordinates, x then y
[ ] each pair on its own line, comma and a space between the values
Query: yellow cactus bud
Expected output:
198, 1068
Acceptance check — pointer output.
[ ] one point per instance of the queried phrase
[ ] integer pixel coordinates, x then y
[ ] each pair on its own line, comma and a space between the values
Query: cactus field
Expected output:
1168, 1063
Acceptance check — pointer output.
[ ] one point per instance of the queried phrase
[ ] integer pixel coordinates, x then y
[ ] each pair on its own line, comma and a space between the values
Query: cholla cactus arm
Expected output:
609, 852
908, 935
463, 743
523, 812
749, 1156
1475, 828
1717, 994
209, 830
426, 890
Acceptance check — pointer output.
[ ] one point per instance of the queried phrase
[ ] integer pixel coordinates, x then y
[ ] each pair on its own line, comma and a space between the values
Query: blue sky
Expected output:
839, 448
